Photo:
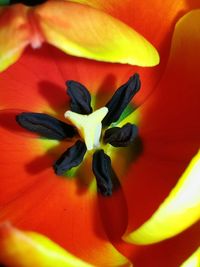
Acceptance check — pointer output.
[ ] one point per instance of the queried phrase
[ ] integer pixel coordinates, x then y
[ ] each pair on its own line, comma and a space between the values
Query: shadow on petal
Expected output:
55, 95
114, 214
41, 163
8, 122
105, 91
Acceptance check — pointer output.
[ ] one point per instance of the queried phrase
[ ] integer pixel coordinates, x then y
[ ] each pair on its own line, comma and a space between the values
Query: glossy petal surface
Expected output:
26, 249
169, 126
133, 12
193, 260
93, 34
158, 29
152, 127
14, 34
37, 193
179, 210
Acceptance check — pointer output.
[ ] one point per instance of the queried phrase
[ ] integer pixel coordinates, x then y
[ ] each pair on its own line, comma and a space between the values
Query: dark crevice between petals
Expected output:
121, 99
45, 125
101, 166
28, 2
114, 210
80, 98
72, 157
121, 137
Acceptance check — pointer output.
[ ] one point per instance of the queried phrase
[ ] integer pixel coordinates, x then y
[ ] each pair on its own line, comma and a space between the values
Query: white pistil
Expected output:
89, 126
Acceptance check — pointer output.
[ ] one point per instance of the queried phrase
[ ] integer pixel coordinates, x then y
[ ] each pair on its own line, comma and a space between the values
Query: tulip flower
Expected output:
76, 29
156, 172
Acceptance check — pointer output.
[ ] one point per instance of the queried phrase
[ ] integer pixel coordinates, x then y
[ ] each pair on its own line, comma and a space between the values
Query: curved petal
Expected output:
64, 209
193, 260
158, 29
169, 127
179, 210
22, 80
15, 30
20, 248
93, 34
133, 12
171, 252
34, 195
37, 193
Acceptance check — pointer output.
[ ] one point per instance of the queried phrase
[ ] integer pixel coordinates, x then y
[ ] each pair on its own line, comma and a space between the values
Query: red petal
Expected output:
30, 76
64, 209
141, 15
170, 127
28, 80
170, 131
23, 248
32, 196
158, 29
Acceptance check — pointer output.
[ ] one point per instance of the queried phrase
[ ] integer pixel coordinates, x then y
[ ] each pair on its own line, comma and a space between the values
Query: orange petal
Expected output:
25, 249
170, 127
133, 12
157, 29
15, 32
31, 191
177, 212
80, 30
37, 193
22, 80
64, 209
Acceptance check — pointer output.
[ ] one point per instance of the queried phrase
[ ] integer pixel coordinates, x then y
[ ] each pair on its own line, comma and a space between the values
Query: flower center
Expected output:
89, 126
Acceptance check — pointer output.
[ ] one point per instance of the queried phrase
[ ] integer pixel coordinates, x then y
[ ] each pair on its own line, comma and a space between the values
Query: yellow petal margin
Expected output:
14, 34
30, 249
193, 260
179, 210
84, 31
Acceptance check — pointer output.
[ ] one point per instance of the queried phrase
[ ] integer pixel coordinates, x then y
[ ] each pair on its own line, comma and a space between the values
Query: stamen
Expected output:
121, 137
121, 99
45, 125
28, 2
89, 125
80, 98
72, 157
102, 170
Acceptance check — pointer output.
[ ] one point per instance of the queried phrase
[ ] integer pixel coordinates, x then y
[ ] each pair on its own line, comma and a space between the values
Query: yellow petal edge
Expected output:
180, 210
193, 260
14, 34
84, 31
30, 249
